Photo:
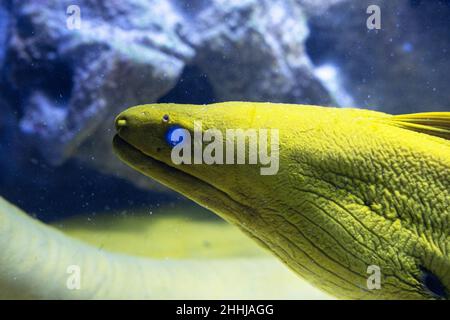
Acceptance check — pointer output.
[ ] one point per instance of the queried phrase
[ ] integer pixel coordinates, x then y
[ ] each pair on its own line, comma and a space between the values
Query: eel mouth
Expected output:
194, 188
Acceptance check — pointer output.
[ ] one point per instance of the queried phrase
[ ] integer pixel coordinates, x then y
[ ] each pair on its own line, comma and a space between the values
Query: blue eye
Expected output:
176, 135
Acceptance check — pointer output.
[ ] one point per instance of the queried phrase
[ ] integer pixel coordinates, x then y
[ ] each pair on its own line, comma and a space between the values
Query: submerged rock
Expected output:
74, 81
74, 76
255, 50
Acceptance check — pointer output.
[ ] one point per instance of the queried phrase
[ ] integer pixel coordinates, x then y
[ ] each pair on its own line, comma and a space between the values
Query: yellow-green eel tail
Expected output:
36, 260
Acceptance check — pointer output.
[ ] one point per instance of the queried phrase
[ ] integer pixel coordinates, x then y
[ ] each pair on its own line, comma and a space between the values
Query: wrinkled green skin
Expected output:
352, 191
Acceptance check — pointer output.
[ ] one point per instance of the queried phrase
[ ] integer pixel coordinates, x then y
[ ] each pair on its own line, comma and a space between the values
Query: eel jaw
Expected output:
189, 186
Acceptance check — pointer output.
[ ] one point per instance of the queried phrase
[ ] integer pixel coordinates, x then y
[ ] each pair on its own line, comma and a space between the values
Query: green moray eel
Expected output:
355, 190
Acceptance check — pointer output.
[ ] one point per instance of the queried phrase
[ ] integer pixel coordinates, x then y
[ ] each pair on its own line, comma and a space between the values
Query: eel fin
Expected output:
431, 123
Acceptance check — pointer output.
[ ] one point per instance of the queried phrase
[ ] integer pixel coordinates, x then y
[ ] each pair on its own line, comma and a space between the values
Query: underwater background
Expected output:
67, 68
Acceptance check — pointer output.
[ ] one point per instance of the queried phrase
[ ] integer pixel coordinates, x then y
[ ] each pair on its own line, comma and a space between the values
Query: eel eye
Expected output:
176, 135
165, 118
433, 284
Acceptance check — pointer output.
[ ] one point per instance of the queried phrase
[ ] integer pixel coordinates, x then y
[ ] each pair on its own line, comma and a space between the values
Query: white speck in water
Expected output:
407, 47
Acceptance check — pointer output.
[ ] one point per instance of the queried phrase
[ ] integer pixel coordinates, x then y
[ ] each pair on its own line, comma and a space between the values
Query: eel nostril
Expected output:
121, 123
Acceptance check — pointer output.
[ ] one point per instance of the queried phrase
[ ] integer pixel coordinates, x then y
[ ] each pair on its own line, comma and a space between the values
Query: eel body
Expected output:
355, 191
